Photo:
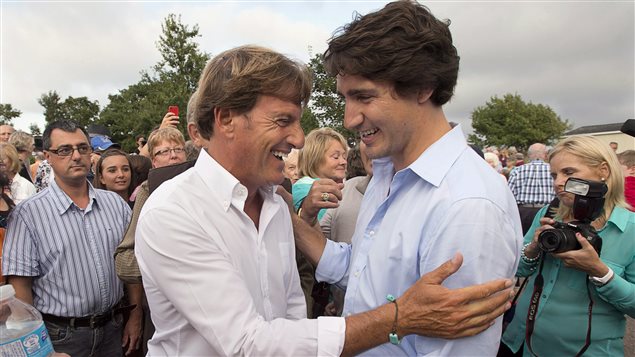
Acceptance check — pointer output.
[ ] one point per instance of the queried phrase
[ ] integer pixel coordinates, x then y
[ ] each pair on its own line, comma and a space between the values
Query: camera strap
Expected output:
532, 312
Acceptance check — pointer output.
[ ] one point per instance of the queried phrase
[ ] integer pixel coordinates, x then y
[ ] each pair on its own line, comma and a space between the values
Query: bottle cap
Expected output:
6, 291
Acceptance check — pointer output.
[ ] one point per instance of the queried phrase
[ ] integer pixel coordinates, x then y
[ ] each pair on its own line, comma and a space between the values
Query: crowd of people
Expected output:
254, 239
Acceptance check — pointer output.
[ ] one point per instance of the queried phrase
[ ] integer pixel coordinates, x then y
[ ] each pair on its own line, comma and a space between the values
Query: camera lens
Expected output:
550, 239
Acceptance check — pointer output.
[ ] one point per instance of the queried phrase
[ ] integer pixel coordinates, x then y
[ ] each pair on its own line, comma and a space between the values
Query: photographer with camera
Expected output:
580, 263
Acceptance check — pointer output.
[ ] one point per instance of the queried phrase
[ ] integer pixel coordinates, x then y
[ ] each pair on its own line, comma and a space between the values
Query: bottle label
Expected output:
34, 344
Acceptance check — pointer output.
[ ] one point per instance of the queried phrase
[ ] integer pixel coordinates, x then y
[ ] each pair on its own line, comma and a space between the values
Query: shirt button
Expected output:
371, 233
348, 314
544, 296
357, 273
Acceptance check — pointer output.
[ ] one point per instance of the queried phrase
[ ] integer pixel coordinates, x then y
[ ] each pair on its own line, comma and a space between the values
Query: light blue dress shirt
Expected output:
448, 200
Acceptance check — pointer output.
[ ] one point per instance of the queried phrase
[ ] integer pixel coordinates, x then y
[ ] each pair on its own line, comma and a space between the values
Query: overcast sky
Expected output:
578, 57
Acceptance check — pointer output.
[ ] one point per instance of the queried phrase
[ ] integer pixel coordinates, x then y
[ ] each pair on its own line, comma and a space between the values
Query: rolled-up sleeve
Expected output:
334, 263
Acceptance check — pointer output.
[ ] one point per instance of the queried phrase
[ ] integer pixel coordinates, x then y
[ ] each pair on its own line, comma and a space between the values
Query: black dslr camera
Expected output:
587, 206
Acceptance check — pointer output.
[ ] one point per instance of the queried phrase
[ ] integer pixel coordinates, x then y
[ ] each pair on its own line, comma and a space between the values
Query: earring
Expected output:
603, 179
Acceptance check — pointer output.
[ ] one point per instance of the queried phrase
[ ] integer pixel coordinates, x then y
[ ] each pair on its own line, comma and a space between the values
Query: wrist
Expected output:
310, 219
604, 279
530, 253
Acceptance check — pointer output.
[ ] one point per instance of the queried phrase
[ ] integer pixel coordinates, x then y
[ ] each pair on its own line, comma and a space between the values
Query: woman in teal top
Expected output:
561, 323
322, 162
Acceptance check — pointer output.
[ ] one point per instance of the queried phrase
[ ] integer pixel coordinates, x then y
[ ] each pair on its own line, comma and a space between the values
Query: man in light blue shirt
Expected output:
430, 196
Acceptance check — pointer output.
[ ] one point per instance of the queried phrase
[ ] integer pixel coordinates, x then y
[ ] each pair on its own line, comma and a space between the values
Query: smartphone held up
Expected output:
174, 109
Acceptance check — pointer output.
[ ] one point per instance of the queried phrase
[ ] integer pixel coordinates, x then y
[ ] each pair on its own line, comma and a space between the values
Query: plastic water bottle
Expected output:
22, 331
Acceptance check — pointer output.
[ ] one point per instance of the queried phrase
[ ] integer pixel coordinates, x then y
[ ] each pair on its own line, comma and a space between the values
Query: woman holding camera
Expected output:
572, 279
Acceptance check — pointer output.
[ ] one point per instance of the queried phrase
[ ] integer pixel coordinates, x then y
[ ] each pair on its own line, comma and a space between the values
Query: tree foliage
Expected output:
139, 109
51, 103
8, 113
512, 122
327, 107
35, 129
81, 109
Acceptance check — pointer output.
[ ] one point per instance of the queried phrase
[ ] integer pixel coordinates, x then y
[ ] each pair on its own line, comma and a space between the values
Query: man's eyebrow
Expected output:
357, 91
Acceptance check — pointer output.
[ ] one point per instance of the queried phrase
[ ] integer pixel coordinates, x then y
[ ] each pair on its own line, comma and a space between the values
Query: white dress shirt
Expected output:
21, 189
217, 285
448, 200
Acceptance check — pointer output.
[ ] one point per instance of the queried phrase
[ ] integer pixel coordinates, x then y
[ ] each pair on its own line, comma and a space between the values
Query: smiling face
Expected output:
333, 163
565, 165
388, 125
116, 174
260, 139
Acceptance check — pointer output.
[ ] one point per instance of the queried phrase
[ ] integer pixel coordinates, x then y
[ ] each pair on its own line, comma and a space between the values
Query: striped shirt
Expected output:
67, 250
532, 183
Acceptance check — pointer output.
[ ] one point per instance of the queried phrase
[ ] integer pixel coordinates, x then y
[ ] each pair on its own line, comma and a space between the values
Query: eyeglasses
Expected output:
166, 151
67, 150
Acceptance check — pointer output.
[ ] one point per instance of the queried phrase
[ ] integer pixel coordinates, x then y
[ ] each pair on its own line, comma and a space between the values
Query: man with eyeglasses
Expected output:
58, 252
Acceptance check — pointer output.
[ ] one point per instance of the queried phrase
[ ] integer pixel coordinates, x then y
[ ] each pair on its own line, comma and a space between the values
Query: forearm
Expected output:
135, 294
369, 329
308, 240
22, 286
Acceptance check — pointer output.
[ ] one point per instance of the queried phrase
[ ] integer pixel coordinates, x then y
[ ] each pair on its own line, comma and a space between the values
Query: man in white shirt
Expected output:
215, 245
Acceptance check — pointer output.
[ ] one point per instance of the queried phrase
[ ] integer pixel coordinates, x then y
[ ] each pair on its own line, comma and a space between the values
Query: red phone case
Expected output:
174, 109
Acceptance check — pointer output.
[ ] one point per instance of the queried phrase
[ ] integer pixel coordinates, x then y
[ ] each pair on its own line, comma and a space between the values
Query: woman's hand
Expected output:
532, 250
169, 120
585, 259
315, 199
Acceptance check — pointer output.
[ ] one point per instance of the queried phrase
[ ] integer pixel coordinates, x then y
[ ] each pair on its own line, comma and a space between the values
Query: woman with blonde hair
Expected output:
581, 282
21, 188
322, 157
321, 161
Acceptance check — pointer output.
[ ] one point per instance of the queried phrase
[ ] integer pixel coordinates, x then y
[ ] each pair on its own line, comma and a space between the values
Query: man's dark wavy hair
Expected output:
402, 44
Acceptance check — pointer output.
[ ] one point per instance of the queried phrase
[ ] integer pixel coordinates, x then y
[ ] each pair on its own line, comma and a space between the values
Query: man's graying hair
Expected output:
68, 126
236, 78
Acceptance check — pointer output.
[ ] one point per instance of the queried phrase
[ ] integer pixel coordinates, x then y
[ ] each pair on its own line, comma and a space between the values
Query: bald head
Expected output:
5, 132
537, 151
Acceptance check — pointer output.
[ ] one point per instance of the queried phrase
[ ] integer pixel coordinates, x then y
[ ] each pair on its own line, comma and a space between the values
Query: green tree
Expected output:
35, 129
8, 113
81, 109
51, 102
511, 121
326, 106
139, 109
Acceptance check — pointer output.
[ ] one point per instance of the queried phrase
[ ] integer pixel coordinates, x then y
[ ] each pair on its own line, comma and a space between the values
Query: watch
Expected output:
603, 280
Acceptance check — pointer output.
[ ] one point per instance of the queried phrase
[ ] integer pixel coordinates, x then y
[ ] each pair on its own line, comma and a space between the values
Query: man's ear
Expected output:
223, 121
424, 95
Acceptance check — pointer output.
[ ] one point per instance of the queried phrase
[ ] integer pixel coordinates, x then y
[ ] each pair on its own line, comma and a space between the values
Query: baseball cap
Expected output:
101, 143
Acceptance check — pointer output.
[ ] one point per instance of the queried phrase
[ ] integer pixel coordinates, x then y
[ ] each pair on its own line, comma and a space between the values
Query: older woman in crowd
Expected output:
322, 160
322, 157
21, 188
573, 278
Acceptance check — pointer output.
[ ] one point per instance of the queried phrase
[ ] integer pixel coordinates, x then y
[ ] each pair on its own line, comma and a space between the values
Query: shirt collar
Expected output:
619, 217
227, 187
435, 162
63, 202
